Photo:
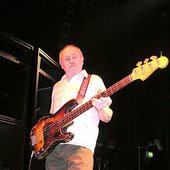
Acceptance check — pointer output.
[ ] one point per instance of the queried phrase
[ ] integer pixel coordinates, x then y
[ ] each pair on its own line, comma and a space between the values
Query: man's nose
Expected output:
71, 60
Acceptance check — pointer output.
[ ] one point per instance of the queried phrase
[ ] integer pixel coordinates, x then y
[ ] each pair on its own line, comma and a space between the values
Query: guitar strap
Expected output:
83, 89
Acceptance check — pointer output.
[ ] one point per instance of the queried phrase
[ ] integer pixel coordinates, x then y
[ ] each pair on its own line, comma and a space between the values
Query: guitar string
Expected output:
119, 83
56, 125
65, 119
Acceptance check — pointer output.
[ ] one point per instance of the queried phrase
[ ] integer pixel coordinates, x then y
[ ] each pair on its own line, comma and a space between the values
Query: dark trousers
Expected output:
70, 157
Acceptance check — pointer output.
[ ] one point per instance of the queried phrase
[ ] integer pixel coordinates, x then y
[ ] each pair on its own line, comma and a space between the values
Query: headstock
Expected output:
143, 71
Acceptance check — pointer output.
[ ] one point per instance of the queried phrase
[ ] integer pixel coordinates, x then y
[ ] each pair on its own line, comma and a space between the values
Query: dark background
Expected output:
113, 35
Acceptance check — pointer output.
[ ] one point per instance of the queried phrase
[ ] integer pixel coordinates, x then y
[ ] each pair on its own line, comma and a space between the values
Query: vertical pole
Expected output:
139, 150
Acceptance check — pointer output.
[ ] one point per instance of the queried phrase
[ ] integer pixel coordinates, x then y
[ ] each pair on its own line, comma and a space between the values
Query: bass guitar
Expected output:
49, 131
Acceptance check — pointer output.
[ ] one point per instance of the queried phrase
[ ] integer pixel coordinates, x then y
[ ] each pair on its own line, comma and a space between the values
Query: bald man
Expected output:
77, 154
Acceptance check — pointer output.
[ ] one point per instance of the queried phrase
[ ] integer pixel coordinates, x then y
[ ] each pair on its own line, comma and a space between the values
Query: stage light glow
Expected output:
149, 154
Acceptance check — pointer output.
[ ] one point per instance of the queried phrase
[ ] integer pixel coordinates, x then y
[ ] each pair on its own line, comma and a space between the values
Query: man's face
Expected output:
71, 61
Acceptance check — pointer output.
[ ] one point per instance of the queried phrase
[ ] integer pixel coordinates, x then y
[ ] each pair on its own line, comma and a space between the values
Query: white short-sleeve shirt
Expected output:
85, 127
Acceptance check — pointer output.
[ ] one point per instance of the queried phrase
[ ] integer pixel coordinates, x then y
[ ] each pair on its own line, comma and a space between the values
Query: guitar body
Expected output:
48, 133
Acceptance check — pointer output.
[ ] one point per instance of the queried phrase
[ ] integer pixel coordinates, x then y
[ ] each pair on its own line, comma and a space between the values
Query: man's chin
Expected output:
74, 71
73, 68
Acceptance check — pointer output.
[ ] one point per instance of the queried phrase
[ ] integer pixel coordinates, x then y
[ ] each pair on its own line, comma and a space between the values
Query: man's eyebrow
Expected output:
75, 54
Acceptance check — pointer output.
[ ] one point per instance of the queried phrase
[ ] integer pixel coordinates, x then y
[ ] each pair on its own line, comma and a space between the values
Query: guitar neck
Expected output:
115, 87
86, 106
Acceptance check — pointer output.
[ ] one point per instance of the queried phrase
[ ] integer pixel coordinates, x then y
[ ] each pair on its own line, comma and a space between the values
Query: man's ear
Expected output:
60, 63
82, 59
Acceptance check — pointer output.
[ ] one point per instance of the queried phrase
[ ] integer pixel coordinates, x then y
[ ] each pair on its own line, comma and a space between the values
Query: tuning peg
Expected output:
139, 63
153, 57
146, 60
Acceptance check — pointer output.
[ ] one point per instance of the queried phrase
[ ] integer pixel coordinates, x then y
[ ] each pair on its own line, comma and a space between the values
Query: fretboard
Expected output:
86, 106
